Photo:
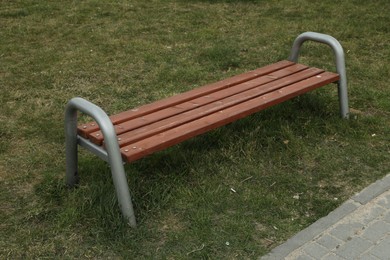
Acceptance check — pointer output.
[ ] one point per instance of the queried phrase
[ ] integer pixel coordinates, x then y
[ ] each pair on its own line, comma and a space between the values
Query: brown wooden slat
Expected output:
85, 129
176, 135
221, 104
97, 137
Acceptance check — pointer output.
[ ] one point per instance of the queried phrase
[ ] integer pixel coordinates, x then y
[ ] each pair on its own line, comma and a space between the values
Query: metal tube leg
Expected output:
340, 63
71, 147
119, 177
122, 193
112, 148
343, 97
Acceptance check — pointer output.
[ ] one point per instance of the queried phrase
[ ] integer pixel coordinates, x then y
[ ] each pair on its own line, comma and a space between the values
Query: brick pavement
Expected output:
358, 229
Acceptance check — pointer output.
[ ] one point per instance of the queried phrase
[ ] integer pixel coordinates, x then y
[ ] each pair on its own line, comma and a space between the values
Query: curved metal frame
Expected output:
111, 153
340, 63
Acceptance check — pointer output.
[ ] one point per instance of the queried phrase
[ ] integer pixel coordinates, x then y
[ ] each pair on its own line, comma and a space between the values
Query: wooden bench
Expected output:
133, 134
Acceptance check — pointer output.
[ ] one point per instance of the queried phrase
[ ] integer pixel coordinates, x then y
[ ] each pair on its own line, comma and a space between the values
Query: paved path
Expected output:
358, 229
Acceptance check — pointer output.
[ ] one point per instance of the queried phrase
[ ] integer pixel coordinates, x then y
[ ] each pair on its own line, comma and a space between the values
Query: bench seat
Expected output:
156, 126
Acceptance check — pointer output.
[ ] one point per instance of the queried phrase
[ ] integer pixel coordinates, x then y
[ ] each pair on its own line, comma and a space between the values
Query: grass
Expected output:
288, 165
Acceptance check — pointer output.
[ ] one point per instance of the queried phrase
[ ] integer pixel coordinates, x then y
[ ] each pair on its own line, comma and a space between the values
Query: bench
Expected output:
138, 132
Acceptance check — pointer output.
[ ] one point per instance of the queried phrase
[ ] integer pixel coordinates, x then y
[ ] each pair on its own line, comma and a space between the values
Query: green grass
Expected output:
289, 165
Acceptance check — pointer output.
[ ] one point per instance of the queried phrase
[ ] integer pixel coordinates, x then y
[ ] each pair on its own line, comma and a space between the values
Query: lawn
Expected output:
234, 193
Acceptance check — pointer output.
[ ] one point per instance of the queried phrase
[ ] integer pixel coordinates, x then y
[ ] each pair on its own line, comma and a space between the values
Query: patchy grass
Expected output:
288, 165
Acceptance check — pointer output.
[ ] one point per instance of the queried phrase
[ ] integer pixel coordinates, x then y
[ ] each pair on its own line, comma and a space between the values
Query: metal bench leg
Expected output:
112, 148
340, 63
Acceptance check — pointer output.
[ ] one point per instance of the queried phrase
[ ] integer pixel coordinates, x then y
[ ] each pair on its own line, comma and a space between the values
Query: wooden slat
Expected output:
276, 76
87, 128
220, 104
183, 132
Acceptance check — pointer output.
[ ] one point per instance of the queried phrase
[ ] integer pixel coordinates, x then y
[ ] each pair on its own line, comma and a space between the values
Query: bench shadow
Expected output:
178, 165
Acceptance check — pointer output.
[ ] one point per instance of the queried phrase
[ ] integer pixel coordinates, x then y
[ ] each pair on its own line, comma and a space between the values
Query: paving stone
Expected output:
332, 256
368, 256
385, 201
372, 214
382, 250
304, 257
387, 217
373, 190
376, 231
345, 231
315, 250
353, 248
329, 241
